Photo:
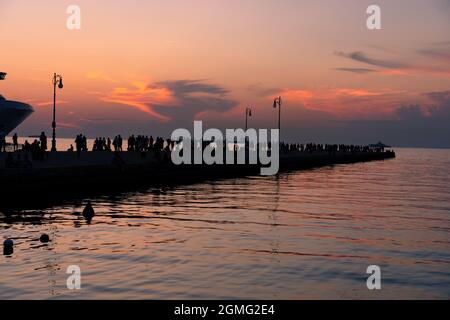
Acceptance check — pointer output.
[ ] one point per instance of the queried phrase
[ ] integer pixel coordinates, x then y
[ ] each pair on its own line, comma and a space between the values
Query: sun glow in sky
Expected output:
148, 67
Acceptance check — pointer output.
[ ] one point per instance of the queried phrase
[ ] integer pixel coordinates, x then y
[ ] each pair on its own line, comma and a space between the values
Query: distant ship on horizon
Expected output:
12, 113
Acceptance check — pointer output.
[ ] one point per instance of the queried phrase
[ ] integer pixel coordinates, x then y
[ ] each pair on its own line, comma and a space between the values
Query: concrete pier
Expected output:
60, 173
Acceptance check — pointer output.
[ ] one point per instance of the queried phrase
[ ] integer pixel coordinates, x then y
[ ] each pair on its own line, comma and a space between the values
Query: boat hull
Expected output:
12, 114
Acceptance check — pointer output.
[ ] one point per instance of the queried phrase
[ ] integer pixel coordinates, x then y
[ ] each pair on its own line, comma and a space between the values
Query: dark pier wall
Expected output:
64, 173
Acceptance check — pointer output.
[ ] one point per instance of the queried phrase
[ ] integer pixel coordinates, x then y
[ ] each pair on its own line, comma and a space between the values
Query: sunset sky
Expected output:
148, 67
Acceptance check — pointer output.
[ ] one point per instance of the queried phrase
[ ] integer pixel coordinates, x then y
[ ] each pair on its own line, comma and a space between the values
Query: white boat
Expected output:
12, 113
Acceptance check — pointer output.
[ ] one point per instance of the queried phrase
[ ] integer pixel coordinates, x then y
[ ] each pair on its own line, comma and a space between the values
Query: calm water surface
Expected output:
306, 234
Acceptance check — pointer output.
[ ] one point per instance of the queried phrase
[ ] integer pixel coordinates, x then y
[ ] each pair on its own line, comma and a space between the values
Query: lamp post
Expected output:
57, 80
277, 103
248, 113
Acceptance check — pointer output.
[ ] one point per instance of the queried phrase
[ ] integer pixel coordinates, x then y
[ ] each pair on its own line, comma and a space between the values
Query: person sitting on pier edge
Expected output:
26, 146
70, 148
35, 148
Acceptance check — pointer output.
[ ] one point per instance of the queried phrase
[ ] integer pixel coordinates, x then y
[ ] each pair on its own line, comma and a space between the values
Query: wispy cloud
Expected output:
440, 51
396, 67
441, 98
68, 125
50, 103
356, 70
364, 58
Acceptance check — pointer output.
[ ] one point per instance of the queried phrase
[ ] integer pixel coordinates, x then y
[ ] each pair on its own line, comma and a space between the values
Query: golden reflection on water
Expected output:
308, 234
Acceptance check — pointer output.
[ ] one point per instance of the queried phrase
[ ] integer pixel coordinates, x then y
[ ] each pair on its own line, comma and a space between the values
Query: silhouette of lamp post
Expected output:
248, 113
57, 81
277, 103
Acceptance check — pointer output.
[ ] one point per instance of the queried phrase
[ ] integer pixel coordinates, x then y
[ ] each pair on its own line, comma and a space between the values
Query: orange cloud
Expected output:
298, 94
50, 103
349, 102
142, 98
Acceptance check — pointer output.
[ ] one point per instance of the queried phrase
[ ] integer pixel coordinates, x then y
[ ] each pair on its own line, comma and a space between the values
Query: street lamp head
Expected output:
60, 85
277, 102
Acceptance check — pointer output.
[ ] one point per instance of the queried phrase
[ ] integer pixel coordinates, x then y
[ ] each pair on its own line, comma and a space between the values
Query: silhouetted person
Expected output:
15, 142
79, 144
43, 141
119, 142
88, 212
26, 146
84, 143
151, 142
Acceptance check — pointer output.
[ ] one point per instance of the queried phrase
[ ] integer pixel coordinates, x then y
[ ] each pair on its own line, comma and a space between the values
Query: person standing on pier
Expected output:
78, 144
43, 140
15, 142
119, 142
84, 142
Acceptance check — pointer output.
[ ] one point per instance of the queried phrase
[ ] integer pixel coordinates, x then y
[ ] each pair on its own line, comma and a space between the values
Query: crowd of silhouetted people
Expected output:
102, 144
141, 143
37, 148
330, 148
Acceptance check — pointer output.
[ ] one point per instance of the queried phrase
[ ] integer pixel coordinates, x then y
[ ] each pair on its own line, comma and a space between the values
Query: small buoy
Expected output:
88, 212
8, 247
44, 238
8, 243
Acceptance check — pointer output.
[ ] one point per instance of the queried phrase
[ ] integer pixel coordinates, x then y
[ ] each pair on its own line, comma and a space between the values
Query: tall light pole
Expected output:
277, 103
248, 113
57, 80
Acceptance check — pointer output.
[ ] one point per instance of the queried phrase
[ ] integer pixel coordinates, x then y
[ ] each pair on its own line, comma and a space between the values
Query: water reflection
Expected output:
305, 234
